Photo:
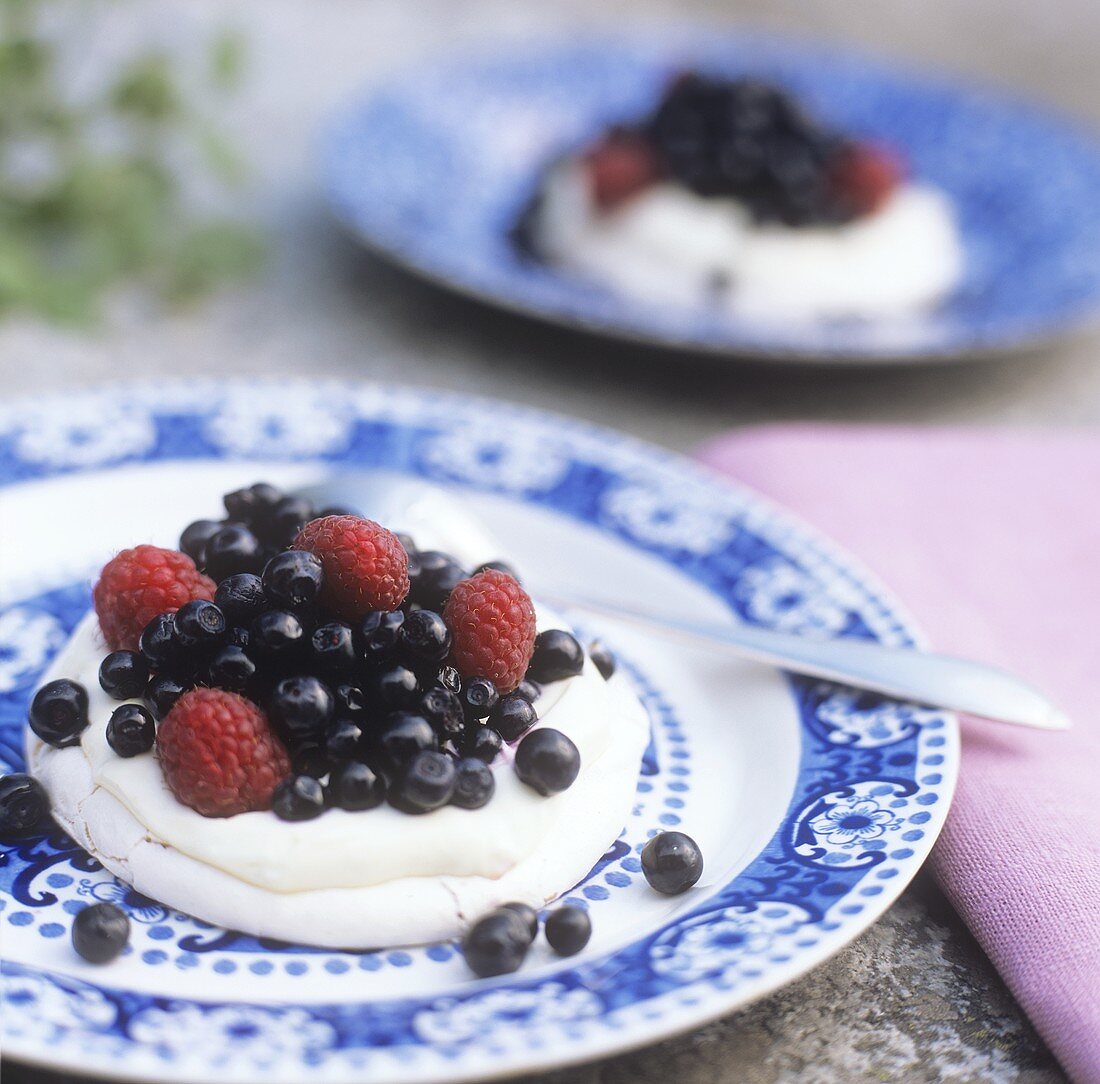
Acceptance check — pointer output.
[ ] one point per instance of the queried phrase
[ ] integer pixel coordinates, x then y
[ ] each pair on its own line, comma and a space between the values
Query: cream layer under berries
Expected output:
728, 195
345, 742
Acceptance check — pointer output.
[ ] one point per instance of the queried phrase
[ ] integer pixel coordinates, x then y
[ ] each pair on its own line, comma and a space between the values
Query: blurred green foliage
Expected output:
89, 190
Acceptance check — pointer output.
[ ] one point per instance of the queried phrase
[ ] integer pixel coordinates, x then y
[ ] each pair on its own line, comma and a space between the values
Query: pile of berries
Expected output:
294, 661
746, 140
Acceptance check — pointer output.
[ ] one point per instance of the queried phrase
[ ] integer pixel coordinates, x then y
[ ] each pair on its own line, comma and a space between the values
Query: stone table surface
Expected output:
914, 998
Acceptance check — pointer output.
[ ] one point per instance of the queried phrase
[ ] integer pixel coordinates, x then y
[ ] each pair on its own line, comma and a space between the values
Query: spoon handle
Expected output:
938, 681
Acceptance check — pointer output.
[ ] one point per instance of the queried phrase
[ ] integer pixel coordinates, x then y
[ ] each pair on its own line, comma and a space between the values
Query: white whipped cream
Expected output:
365, 879
670, 246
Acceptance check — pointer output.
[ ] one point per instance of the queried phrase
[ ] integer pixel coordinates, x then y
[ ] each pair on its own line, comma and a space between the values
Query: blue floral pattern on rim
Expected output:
1025, 185
872, 789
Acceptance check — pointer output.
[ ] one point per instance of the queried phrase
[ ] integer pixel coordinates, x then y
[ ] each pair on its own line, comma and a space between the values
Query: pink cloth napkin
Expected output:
992, 539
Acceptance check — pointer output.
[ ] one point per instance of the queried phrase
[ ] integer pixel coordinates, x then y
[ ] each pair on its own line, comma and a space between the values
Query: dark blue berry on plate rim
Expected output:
527, 913
123, 675
568, 929
672, 862
497, 944
24, 805
498, 566
59, 712
131, 730
547, 761
528, 689
100, 932
158, 645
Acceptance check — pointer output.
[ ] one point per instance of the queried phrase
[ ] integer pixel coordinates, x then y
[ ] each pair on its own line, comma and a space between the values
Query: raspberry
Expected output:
140, 583
620, 166
492, 621
219, 753
865, 176
366, 567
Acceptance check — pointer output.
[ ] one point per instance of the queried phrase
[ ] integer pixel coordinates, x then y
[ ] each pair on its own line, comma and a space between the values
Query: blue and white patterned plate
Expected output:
813, 806
432, 169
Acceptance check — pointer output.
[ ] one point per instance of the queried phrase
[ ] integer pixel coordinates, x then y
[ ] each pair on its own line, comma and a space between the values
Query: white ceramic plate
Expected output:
813, 806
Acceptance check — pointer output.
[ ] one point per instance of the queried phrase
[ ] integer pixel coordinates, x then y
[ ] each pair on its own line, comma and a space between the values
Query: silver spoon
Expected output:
937, 681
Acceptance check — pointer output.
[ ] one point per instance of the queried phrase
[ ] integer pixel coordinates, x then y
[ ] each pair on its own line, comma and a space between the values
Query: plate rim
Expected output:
676, 1020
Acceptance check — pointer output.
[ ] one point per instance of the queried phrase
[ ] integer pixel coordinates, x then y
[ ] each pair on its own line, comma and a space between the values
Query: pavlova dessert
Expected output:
304, 727
728, 195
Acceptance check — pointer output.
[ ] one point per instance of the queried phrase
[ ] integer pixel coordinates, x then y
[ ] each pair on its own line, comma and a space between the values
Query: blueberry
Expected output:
427, 783
24, 805
232, 669
292, 580
529, 690
299, 798
310, 758
241, 597
512, 717
340, 510
131, 730
232, 550
479, 696
196, 535
355, 786
672, 862
277, 637
602, 658
482, 742
407, 543
123, 674
436, 577
547, 761
528, 914
443, 710
238, 637
59, 712
200, 625
158, 644
402, 736
280, 525
100, 932
301, 707
498, 566
558, 655
424, 637
474, 784
568, 930
245, 505
449, 678
395, 688
496, 944
378, 632
349, 701
162, 692
332, 649
344, 740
